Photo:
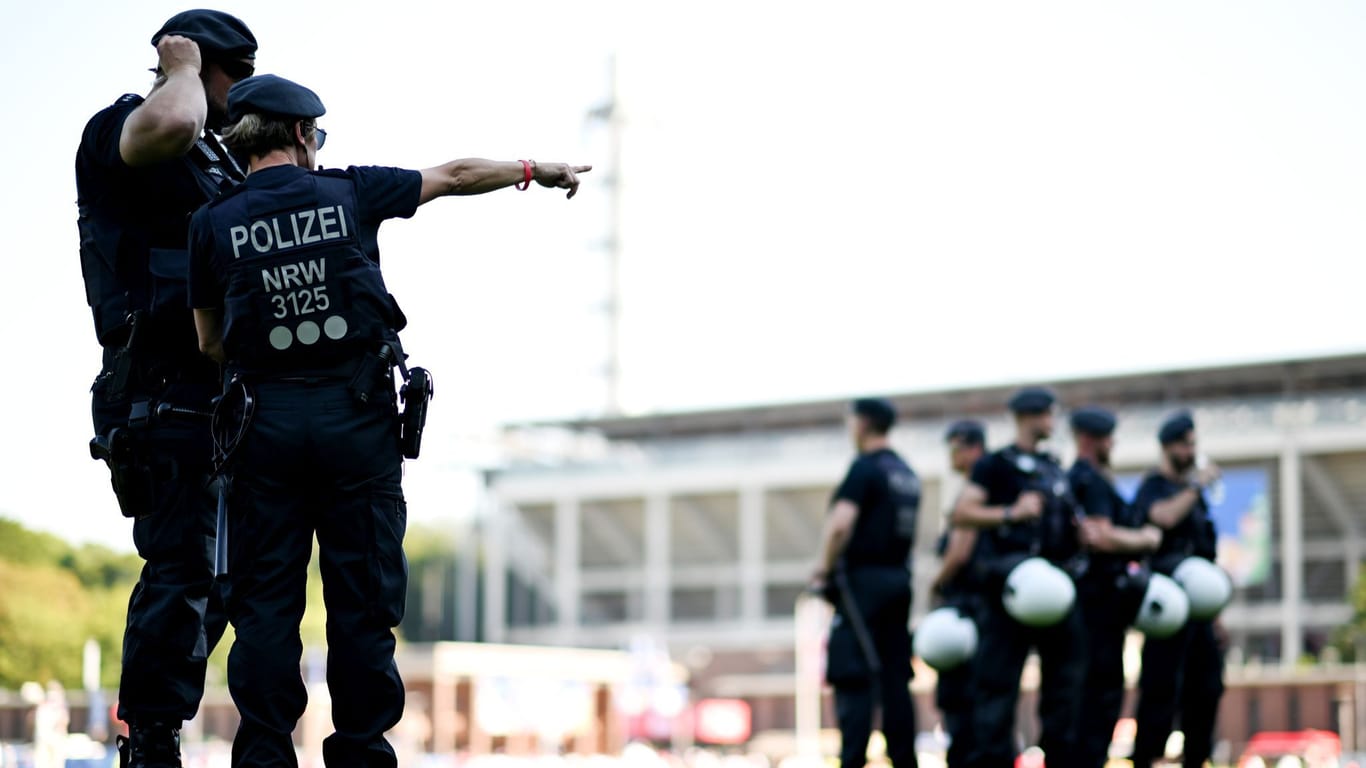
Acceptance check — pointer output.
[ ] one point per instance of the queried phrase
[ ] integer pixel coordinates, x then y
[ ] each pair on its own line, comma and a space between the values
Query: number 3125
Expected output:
302, 302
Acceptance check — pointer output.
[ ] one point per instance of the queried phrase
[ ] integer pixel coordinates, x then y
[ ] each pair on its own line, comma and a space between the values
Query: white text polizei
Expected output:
288, 230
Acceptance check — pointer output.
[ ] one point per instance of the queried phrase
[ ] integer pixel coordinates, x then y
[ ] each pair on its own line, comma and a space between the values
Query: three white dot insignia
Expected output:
307, 332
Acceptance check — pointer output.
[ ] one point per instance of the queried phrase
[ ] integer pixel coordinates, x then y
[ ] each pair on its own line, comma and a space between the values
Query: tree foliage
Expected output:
54, 596
1350, 639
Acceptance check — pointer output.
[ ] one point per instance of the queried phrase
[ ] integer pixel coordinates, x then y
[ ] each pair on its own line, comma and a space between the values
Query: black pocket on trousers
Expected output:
388, 565
844, 662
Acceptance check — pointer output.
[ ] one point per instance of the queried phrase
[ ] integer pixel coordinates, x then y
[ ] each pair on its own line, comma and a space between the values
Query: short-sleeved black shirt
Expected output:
887, 494
1096, 496
1194, 535
1009, 472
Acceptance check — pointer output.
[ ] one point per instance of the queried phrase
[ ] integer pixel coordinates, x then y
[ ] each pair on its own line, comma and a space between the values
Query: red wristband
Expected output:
526, 176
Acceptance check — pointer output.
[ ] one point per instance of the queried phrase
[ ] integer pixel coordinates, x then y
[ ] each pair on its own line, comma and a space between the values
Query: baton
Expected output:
220, 546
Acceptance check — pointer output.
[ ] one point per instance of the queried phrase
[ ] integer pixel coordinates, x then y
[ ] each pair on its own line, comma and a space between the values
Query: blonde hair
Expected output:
256, 135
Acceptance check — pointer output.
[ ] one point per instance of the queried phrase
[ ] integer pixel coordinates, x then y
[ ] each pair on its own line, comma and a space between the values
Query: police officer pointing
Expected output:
1182, 675
864, 566
953, 693
1114, 538
286, 285
143, 166
1018, 498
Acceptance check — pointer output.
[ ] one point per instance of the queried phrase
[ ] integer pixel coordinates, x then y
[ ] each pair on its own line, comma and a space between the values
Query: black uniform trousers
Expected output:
1002, 648
175, 613
315, 461
1181, 681
1103, 695
882, 597
953, 695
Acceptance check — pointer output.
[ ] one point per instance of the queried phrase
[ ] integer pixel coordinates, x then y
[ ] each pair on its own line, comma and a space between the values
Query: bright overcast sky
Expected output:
818, 199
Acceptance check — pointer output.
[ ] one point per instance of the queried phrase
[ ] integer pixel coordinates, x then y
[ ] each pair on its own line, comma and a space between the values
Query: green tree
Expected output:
55, 597
1351, 637
44, 618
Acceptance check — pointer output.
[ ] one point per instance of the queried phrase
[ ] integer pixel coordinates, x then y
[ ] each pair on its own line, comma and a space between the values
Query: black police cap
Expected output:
1031, 400
1177, 426
1094, 421
879, 412
219, 35
272, 95
967, 430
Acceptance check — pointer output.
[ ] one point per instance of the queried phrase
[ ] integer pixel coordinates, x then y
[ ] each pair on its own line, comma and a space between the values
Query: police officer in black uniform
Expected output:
864, 567
953, 692
285, 278
143, 166
1018, 497
1114, 539
1183, 675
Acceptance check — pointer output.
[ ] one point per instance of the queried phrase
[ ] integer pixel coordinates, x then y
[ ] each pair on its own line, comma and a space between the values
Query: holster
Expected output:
130, 473
417, 391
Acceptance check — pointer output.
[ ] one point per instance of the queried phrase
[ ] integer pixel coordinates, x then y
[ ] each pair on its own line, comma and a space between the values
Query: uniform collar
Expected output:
275, 176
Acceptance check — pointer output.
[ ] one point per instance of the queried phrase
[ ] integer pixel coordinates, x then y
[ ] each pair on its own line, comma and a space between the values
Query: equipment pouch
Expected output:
417, 391
122, 368
370, 373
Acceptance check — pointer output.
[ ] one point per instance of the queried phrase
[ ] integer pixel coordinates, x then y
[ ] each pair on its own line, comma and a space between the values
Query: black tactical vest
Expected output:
133, 230
301, 295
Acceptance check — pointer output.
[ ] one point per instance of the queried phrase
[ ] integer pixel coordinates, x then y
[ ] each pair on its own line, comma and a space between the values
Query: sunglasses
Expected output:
237, 69
322, 136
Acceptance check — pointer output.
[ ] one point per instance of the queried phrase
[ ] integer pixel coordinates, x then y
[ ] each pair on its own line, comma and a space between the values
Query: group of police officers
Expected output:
247, 386
1019, 509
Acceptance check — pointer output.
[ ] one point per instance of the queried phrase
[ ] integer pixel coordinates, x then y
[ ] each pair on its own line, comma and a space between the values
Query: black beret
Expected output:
219, 35
1031, 400
272, 95
967, 430
1175, 427
1094, 421
880, 412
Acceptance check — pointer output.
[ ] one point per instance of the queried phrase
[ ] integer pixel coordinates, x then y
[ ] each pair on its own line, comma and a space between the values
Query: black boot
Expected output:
154, 745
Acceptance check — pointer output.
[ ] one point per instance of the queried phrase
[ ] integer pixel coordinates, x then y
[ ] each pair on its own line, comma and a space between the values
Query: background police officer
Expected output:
864, 563
1114, 538
966, 440
1019, 497
143, 166
1182, 675
285, 278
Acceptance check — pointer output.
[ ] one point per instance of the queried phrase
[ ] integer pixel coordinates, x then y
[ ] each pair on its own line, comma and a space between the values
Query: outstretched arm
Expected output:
474, 176
167, 124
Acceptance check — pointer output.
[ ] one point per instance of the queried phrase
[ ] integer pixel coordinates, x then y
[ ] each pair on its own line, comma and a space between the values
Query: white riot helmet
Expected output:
1038, 593
1164, 608
945, 638
1207, 586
